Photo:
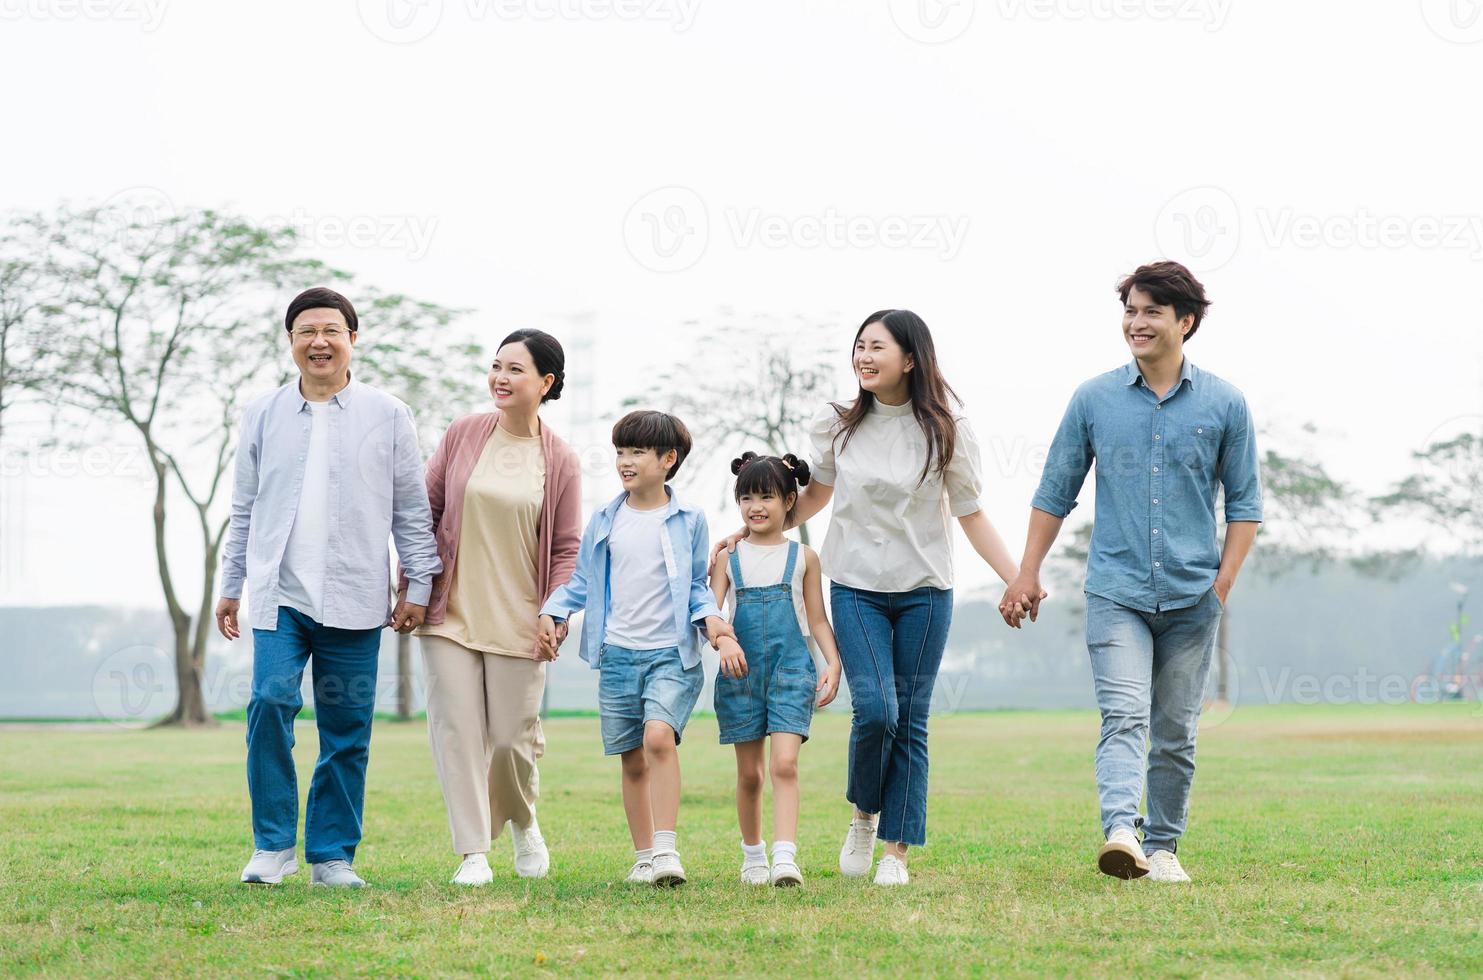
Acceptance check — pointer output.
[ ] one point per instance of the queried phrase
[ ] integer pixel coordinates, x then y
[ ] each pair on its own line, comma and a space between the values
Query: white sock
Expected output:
644, 854
664, 842
754, 855
784, 851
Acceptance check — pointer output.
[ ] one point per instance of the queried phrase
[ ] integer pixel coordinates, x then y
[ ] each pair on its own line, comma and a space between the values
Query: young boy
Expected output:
641, 579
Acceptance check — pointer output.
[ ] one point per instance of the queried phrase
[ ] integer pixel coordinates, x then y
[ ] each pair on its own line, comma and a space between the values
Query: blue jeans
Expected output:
1149, 671
891, 645
635, 687
344, 673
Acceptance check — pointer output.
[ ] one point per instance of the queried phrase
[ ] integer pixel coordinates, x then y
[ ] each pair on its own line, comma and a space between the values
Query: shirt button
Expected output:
1155, 530
1158, 408
1155, 435
1156, 565
1199, 430
1155, 469
1156, 500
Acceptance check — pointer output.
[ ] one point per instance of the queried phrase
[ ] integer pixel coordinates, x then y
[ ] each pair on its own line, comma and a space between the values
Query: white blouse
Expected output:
887, 533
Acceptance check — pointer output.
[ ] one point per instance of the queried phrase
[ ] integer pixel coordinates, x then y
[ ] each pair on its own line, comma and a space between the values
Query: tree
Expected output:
165, 323
756, 395
20, 299
1446, 491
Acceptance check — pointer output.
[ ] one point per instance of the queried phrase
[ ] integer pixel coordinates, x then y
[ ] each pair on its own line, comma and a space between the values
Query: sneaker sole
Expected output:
1118, 862
669, 880
291, 869
788, 881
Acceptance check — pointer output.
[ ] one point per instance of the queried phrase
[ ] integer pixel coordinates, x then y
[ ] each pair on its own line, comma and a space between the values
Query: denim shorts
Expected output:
775, 696
635, 687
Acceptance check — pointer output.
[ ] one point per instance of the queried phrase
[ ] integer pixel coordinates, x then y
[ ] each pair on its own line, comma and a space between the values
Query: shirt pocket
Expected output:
1200, 445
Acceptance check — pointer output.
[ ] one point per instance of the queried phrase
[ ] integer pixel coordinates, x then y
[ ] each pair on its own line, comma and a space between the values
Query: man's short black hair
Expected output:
1169, 284
318, 298
653, 430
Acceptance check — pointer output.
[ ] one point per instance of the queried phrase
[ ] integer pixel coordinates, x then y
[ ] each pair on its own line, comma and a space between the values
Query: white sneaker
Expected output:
532, 859
335, 874
642, 873
1122, 856
785, 874
859, 848
755, 874
667, 870
473, 871
1164, 866
270, 867
890, 871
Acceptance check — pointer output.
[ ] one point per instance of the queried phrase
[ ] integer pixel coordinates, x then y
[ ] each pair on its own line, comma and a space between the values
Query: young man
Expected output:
641, 580
1164, 434
327, 470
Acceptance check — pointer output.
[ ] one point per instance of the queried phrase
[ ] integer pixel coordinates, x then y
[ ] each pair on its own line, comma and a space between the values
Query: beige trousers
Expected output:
484, 723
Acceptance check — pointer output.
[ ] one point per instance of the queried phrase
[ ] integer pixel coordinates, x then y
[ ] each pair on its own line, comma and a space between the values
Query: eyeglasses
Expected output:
328, 333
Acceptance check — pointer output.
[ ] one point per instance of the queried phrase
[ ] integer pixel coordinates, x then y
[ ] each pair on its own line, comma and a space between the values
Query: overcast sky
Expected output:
995, 166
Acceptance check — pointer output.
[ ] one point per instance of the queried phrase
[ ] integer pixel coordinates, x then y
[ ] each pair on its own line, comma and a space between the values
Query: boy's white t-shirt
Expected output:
301, 572
641, 612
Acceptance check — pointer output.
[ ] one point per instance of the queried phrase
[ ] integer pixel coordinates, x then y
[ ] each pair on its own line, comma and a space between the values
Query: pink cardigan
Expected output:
448, 472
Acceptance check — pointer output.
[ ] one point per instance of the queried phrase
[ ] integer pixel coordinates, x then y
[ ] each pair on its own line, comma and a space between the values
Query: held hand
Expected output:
561, 630
727, 543
226, 618
1022, 597
715, 629
828, 688
407, 616
733, 661
547, 643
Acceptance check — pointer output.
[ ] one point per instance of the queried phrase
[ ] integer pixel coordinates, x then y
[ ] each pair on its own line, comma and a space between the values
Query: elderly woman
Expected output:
506, 505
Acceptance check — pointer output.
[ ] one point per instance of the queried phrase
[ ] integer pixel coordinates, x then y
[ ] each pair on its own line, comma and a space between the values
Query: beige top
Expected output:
492, 600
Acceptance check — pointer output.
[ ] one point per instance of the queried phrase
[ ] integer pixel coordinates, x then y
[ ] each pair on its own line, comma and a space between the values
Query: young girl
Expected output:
772, 592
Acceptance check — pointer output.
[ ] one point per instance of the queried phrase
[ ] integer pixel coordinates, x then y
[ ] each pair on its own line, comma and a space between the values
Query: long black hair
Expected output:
780, 476
931, 395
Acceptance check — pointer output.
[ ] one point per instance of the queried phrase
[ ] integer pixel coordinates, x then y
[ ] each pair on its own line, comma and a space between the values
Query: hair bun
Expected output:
740, 461
798, 467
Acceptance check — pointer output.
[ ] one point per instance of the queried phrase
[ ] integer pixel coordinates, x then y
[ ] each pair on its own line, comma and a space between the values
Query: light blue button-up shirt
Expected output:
376, 494
1159, 461
686, 553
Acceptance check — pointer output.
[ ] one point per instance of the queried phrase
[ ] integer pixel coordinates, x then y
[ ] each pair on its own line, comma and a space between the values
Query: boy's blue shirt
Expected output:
689, 585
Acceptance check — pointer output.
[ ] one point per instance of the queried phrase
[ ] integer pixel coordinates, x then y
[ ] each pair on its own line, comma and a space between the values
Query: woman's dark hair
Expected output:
320, 298
546, 351
929, 391
656, 431
779, 476
1169, 284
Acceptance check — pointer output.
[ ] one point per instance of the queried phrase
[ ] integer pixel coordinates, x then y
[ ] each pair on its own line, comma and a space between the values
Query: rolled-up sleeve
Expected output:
964, 479
821, 432
1067, 463
1240, 469
244, 495
411, 515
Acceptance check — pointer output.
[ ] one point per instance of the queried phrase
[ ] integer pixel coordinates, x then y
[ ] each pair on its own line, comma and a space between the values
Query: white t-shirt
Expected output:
641, 614
886, 532
301, 573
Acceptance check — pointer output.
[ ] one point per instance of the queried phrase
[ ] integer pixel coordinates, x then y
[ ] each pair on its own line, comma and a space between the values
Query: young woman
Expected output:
896, 461
506, 503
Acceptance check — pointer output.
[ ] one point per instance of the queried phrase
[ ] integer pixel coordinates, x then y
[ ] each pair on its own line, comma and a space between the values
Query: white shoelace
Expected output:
862, 835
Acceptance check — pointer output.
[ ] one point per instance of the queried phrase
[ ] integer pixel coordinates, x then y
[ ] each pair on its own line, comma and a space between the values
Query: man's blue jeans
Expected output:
1149, 671
891, 644
344, 673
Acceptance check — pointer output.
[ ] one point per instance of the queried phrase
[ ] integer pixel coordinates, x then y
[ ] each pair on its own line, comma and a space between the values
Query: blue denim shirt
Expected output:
1159, 460
687, 536
377, 493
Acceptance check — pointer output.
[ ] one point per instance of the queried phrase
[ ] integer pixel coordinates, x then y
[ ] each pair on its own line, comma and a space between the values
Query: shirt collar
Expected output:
880, 407
1132, 375
340, 398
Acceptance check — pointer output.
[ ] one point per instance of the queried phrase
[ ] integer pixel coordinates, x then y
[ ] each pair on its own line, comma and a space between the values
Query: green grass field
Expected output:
1333, 841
